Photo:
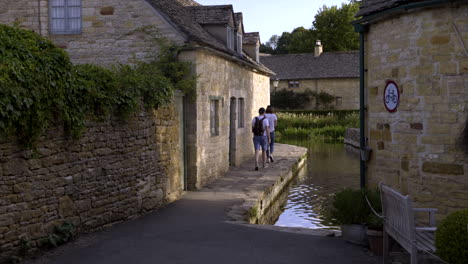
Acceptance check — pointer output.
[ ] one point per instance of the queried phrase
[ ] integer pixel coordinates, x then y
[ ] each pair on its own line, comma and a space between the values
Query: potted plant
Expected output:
350, 211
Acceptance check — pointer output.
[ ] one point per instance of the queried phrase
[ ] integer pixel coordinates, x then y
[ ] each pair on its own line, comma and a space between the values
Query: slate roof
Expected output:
369, 7
306, 66
178, 13
221, 14
188, 3
251, 38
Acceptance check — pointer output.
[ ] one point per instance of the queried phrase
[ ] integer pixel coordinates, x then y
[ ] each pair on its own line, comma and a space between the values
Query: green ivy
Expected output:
40, 87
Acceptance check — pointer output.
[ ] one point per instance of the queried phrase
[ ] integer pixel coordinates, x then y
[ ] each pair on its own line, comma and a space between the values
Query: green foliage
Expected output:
33, 75
287, 99
331, 25
451, 239
61, 235
349, 207
39, 86
310, 125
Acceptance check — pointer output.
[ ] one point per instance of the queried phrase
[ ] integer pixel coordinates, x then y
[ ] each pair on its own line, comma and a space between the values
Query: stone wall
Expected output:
414, 148
345, 88
119, 31
223, 80
116, 171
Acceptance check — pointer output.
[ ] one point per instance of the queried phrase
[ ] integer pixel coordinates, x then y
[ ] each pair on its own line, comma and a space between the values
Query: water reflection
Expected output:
330, 168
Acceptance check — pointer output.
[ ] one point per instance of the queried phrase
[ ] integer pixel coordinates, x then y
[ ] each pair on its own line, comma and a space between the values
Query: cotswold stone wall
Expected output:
209, 156
116, 171
414, 149
345, 91
119, 31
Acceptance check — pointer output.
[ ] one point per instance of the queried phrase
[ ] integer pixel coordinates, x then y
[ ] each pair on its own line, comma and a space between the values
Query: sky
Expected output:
273, 17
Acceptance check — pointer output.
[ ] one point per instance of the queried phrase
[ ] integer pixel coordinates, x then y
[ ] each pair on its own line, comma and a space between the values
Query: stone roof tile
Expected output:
369, 7
222, 14
306, 66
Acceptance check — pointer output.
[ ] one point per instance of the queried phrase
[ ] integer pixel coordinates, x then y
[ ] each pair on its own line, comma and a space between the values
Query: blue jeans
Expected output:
271, 148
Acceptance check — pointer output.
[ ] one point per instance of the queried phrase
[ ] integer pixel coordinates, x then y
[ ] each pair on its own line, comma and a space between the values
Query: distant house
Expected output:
416, 98
336, 73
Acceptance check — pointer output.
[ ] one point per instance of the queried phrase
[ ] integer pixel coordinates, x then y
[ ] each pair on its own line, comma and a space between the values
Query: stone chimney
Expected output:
318, 48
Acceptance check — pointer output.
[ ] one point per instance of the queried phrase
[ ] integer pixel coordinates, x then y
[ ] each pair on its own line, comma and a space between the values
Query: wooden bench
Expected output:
399, 223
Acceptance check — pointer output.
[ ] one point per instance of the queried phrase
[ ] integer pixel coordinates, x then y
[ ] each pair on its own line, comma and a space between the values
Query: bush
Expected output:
349, 207
451, 239
39, 87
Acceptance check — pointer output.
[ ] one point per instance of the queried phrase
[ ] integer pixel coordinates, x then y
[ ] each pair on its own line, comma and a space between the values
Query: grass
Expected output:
315, 126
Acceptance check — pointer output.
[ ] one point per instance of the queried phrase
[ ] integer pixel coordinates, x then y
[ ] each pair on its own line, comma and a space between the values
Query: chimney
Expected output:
318, 48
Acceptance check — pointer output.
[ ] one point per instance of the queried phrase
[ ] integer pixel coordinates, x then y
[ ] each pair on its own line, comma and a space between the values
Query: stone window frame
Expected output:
67, 16
214, 115
241, 113
293, 84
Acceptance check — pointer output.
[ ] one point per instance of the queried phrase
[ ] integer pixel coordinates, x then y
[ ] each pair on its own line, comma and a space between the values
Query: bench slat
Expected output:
425, 241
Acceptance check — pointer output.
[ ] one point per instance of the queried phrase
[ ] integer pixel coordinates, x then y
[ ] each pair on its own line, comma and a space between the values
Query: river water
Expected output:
330, 168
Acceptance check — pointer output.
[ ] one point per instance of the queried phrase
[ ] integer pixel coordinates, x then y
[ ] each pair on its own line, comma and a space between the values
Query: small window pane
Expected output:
74, 12
58, 25
75, 24
58, 2
74, 2
214, 117
58, 12
241, 113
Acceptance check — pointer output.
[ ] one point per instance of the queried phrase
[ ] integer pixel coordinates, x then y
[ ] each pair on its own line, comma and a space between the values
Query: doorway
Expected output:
232, 132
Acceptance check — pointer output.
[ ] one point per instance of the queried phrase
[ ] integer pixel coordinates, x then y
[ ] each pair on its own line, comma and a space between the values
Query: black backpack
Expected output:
258, 128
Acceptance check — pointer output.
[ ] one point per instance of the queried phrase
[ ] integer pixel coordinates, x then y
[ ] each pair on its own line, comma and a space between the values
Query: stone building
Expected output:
415, 88
335, 73
232, 84
160, 154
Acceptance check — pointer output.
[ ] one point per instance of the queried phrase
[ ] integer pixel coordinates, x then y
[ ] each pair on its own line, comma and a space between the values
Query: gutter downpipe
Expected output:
361, 29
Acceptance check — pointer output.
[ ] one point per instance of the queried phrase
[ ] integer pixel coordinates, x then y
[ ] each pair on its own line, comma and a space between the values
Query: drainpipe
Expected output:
361, 29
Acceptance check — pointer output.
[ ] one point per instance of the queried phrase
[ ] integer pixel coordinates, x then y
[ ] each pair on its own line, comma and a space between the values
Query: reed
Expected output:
315, 126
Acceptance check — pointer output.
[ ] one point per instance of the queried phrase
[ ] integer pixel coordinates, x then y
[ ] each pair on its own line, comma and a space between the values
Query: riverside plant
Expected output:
315, 126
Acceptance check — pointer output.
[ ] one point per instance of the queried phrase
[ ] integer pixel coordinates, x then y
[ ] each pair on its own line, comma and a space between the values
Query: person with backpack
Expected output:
273, 121
261, 138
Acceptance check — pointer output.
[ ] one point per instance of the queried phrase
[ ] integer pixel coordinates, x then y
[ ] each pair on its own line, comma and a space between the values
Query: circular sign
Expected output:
391, 96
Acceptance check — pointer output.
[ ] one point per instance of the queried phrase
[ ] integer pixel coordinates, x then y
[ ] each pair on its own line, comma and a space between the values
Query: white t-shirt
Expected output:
271, 119
265, 123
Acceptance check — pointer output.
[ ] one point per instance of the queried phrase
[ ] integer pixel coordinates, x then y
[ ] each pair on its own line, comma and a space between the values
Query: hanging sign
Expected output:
391, 96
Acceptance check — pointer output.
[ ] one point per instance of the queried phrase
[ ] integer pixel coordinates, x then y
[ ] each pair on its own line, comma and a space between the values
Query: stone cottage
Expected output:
415, 92
336, 73
117, 171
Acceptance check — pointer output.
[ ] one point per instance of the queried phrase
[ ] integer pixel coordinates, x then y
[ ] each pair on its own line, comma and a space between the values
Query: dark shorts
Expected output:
260, 142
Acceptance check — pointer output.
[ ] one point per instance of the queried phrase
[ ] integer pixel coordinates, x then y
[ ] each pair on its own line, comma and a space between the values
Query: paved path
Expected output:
204, 227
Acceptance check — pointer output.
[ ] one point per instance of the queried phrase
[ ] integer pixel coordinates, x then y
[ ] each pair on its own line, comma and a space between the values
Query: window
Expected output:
339, 100
241, 113
239, 43
230, 38
214, 117
65, 16
293, 84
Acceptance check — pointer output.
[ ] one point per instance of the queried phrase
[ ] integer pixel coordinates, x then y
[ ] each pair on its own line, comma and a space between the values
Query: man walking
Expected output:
261, 138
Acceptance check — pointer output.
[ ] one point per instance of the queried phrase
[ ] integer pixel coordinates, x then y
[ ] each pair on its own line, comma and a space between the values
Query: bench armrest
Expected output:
431, 212
426, 229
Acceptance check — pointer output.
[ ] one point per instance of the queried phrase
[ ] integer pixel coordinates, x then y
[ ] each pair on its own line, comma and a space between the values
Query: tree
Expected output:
332, 25
334, 29
270, 45
301, 40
